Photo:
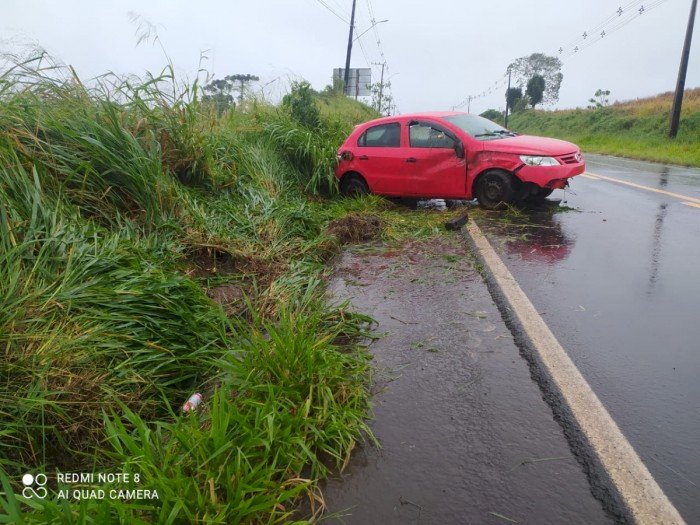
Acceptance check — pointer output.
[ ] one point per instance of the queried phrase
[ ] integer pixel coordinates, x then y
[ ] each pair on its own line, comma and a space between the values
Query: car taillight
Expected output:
346, 155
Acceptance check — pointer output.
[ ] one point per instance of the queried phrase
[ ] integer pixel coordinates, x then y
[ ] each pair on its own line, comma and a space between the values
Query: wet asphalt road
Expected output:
618, 282
466, 437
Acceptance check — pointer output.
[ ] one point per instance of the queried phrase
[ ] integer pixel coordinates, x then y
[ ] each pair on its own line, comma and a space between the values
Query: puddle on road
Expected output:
533, 234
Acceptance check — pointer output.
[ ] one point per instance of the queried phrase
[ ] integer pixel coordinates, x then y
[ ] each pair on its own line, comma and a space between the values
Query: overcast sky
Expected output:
438, 52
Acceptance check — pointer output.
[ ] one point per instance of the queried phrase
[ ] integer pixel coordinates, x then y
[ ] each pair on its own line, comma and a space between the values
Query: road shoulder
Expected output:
465, 434
618, 477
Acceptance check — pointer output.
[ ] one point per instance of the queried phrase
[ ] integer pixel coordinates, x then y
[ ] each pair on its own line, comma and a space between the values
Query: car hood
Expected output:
530, 145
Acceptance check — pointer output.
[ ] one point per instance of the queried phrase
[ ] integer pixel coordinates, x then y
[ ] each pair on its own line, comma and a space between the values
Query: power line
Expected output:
612, 23
364, 52
491, 89
595, 29
334, 10
619, 19
324, 4
373, 20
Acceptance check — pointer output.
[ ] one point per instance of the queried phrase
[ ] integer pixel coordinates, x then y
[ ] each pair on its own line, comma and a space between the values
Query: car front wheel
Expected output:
494, 189
541, 194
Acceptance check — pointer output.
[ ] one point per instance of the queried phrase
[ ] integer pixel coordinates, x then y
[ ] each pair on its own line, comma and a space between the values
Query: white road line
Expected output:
693, 204
643, 497
642, 187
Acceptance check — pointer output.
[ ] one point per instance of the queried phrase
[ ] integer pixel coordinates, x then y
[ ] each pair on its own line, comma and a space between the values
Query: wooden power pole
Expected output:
505, 125
682, 70
347, 57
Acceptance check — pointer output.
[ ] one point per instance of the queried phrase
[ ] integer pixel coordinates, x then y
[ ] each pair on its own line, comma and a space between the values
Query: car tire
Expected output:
541, 194
405, 202
495, 189
353, 185
453, 203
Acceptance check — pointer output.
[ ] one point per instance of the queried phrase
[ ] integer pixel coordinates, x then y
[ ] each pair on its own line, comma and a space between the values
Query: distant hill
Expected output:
634, 128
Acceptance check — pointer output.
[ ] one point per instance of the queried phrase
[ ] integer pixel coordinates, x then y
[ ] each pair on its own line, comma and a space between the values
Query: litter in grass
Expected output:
192, 403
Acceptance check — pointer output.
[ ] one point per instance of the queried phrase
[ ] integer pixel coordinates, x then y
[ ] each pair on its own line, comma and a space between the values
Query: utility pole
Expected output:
682, 70
347, 58
507, 99
469, 104
381, 90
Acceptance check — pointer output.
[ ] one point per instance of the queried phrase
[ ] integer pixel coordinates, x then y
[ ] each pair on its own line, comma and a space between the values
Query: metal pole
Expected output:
469, 104
381, 90
347, 58
682, 70
507, 99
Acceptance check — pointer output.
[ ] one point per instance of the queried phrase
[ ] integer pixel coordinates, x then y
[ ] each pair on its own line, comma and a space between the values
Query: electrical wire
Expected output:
329, 8
611, 25
614, 22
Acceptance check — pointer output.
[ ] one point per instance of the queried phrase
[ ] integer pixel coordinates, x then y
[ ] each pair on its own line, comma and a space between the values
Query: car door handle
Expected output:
411, 159
363, 157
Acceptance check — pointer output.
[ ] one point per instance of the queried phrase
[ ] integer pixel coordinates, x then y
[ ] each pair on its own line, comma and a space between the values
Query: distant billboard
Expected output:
359, 81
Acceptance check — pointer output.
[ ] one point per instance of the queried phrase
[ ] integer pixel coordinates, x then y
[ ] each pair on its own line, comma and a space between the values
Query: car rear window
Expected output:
382, 136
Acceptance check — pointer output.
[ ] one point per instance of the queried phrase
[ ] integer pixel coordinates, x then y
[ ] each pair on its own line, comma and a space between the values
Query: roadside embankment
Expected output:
635, 129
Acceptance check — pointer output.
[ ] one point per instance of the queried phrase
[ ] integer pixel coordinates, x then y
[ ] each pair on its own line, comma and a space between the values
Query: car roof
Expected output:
427, 114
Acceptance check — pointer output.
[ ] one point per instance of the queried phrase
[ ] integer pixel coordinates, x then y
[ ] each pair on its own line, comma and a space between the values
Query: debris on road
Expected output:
456, 223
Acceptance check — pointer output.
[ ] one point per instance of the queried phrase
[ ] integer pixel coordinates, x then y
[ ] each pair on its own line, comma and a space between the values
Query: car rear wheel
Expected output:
494, 189
352, 185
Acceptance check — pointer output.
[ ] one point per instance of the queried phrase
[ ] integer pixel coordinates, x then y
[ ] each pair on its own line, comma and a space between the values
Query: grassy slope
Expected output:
635, 129
119, 222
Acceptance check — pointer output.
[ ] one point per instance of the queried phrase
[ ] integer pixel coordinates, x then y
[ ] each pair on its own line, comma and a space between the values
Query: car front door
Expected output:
381, 159
433, 165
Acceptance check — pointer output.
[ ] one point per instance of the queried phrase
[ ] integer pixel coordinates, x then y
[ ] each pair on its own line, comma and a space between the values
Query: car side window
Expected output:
423, 135
382, 136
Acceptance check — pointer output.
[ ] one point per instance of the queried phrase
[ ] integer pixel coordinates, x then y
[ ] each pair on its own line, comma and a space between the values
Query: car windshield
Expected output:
479, 127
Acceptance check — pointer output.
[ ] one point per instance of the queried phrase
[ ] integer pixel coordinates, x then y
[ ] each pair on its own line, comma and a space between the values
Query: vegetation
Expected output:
635, 129
301, 105
152, 246
381, 98
537, 64
513, 96
535, 89
493, 115
600, 99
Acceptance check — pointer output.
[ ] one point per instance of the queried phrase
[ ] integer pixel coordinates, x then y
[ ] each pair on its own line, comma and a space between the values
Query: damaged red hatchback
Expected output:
450, 155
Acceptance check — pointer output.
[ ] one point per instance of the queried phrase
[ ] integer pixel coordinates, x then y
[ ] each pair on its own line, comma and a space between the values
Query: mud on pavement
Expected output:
465, 434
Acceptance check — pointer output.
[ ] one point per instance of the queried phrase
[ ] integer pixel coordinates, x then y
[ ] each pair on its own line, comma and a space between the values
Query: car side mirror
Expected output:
459, 150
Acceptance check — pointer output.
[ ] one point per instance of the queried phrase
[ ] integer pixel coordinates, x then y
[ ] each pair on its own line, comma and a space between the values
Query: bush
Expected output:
300, 103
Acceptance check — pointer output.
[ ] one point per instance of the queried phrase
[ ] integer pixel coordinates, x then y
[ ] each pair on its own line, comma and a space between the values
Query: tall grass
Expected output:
111, 196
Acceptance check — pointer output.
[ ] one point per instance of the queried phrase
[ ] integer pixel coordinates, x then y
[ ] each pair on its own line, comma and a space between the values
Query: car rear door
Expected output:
381, 159
432, 163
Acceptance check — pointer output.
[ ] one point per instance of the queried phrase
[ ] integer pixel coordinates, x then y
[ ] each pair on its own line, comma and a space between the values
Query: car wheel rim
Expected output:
493, 190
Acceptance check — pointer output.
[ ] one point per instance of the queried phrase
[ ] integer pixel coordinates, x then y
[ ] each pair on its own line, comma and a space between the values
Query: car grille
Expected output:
568, 159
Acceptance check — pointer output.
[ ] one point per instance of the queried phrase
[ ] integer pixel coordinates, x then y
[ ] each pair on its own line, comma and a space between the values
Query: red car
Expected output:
451, 155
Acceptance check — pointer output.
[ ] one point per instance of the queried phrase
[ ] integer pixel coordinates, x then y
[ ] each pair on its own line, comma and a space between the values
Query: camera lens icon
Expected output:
34, 486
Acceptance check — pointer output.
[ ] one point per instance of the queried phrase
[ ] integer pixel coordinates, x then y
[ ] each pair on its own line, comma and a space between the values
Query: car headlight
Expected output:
539, 161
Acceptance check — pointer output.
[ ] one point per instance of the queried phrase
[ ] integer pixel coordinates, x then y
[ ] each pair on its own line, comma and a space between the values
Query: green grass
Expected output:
635, 129
123, 205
